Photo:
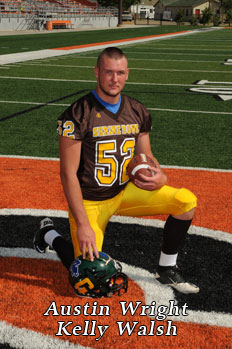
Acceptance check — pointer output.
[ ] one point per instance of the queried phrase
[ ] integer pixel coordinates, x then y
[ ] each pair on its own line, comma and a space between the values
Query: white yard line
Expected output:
130, 59
94, 81
172, 53
143, 69
207, 82
180, 47
184, 46
146, 59
192, 111
48, 79
34, 103
157, 109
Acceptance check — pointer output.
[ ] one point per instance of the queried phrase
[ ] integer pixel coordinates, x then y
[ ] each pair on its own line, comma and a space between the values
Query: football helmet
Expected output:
101, 278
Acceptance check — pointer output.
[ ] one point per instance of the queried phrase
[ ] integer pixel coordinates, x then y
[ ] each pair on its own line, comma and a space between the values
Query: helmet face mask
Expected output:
101, 278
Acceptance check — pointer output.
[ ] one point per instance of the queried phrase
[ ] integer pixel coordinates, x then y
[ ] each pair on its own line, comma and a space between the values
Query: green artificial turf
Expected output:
189, 128
34, 42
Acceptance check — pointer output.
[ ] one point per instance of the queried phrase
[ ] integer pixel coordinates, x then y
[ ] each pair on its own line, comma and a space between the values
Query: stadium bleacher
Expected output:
51, 7
38, 12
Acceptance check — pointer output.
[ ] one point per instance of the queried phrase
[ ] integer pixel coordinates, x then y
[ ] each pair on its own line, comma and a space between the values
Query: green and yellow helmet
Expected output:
101, 278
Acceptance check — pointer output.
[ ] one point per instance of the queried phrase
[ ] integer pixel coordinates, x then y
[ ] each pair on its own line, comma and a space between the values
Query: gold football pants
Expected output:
134, 202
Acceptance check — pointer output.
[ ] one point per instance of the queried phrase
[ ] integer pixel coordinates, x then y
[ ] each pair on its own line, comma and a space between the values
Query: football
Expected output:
140, 164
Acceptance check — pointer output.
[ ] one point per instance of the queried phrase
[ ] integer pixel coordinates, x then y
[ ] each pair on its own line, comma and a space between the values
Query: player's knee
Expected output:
186, 199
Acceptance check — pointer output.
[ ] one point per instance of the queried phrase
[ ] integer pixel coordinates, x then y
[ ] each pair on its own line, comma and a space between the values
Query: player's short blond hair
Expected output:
111, 52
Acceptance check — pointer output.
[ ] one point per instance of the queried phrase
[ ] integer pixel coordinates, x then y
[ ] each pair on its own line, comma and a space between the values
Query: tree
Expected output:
216, 20
180, 17
227, 4
206, 16
193, 20
229, 17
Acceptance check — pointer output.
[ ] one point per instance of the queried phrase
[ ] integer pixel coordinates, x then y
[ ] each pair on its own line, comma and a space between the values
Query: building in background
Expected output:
145, 9
168, 9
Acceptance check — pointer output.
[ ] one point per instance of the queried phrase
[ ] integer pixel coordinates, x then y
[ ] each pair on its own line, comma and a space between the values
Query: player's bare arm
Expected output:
70, 150
159, 179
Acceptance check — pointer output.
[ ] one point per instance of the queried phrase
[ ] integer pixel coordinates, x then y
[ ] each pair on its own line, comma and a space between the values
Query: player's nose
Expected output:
115, 76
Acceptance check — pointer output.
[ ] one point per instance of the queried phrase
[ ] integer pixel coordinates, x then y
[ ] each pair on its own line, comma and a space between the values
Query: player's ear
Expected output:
127, 73
96, 71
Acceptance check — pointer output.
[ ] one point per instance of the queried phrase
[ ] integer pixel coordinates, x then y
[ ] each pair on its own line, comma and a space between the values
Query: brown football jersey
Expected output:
108, 142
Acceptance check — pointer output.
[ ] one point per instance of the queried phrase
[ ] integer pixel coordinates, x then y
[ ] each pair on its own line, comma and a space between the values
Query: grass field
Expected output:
190, 129
24, 43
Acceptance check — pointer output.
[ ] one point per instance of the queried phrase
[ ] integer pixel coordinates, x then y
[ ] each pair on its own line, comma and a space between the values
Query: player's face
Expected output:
111, 77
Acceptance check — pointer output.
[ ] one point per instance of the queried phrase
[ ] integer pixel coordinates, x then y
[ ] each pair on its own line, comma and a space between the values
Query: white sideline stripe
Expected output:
33, 212
164, 166
27, 339
142, 69
28, 157
151, 287
194, 230
31, 55
197, 168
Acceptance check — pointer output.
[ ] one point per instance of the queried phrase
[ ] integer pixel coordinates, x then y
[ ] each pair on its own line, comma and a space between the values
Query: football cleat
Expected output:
40, 245
101, 278
171, 276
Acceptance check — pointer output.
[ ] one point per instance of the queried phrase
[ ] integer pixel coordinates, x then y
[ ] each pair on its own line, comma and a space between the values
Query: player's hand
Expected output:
87, 242
151, 183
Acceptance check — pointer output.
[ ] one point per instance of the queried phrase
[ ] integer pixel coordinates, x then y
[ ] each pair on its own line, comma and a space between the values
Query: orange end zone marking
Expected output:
116, 41
31, 285
28, 183
31, 184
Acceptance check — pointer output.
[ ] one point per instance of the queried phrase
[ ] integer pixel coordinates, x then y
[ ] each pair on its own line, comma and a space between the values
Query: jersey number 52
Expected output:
107, 167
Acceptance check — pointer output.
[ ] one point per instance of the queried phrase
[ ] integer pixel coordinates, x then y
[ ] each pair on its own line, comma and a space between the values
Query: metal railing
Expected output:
49, 10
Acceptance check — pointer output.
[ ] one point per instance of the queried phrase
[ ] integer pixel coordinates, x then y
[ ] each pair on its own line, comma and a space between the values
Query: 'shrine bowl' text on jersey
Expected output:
108, 142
